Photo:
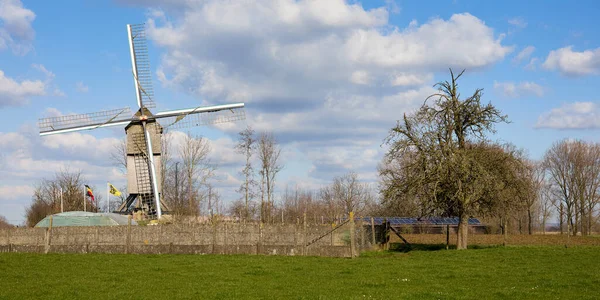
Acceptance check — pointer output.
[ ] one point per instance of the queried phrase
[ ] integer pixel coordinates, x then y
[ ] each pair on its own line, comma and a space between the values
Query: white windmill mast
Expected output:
142, 129
143, 117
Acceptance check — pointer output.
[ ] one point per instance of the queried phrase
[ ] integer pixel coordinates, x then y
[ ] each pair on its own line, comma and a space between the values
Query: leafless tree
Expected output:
351, 194
46, 198
268, 154
4, 223
197, 168
247, 146
118, 156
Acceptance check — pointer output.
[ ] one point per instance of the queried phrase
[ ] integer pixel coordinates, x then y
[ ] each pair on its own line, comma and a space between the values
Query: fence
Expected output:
344, 240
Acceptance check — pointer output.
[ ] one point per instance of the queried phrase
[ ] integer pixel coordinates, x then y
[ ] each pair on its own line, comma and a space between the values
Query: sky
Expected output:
328, 77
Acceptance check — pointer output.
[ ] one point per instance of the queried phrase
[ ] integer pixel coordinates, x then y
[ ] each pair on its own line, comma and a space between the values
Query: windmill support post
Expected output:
152, 170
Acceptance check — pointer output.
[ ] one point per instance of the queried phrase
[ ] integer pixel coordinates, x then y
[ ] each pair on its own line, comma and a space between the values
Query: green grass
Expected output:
488, 273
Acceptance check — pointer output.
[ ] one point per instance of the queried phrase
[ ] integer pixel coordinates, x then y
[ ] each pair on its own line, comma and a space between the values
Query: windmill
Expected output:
143, 132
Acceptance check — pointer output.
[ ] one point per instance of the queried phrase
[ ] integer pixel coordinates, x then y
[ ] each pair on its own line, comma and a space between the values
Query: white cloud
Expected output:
12, 192
82, 88
576, 115
49, 75
79, 145
14, 93
532, 65
518, 22
522, 89
16, 32
404, 79
574, 63
524, 54
360, 77
287, 51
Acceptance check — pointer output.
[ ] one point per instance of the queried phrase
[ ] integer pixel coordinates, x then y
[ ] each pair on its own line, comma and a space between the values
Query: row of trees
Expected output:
572, 183
325, 205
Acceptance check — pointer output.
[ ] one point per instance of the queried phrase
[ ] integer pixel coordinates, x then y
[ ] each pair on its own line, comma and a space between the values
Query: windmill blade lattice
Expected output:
186, 120
83, 121
142, 64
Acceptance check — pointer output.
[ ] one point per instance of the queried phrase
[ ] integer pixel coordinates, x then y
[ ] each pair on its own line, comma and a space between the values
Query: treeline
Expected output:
327, 204
572, 184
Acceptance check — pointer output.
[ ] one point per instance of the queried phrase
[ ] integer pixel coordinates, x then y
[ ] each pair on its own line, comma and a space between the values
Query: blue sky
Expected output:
329, 78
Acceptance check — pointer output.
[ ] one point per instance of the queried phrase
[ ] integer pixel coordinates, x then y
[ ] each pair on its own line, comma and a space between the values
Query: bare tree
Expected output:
118, 156
351, 194
4, 223
268, 154
197, 169
247, 146
47, 196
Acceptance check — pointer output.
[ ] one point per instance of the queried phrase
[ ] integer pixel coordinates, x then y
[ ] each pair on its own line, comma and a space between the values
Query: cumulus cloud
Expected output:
16, 31
573, 63
15, 93
516, 90
576, 115
12, 192
524, 54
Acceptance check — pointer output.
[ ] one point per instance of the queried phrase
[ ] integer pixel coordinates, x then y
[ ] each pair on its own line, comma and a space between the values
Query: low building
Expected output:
83, 218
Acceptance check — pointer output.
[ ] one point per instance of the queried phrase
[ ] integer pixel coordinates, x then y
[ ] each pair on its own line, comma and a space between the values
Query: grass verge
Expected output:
523, 272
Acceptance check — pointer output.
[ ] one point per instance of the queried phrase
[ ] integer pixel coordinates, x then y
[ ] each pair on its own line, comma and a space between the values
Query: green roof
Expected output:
82, 218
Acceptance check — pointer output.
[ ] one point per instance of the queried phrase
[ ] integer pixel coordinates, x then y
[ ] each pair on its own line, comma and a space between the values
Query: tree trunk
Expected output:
505, 230
529, 221
246, 212
463, 230
561, 218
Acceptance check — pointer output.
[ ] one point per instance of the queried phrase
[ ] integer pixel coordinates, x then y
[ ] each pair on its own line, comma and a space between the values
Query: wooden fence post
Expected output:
214, 237
332, 227
128, 238
352, 236
48, 235
447, 236
304, 238
373, 231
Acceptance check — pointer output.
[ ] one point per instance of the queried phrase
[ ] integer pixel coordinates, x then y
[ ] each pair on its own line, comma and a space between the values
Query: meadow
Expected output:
487, 272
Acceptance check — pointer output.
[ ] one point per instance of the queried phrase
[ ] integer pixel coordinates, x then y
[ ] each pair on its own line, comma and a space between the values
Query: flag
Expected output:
89, 193
113, 190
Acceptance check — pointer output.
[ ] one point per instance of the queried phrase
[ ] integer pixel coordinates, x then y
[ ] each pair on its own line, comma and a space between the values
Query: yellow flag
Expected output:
114, 191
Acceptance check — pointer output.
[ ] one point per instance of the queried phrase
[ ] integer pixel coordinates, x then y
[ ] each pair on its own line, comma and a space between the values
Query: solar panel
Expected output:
415, 221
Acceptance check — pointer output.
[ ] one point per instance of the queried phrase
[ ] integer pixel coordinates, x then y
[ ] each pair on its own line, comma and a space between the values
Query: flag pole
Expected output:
107, 197
84, 191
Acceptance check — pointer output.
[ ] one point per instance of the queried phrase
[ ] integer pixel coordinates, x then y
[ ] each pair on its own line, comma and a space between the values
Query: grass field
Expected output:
523, 272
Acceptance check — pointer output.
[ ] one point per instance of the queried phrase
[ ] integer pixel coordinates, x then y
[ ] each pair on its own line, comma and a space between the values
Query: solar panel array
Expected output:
418, 221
